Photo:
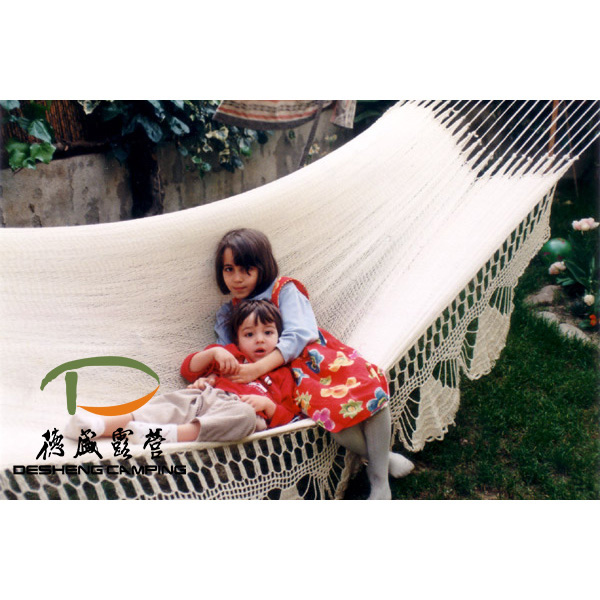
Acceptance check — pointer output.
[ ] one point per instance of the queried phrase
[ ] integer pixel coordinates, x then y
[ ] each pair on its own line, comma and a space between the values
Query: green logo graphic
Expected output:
99, 361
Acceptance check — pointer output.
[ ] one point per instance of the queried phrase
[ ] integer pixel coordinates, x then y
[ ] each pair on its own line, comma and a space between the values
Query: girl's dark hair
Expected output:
264, 312
250, 248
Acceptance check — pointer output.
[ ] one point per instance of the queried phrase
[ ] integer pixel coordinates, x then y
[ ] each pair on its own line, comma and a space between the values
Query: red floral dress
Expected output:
335, 386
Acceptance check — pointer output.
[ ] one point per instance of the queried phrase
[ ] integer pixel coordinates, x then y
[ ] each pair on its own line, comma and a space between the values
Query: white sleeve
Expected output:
299, 322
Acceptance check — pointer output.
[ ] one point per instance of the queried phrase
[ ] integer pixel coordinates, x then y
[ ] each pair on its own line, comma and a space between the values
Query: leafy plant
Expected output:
579, 269
187, 123
31, 118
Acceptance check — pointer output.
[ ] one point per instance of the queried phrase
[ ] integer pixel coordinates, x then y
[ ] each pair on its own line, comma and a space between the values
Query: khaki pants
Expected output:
223, 417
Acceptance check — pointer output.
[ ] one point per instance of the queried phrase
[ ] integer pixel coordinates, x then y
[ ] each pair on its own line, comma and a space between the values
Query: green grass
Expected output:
529, 429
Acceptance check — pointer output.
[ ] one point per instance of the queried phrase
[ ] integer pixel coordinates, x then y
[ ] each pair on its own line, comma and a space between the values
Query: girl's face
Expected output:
239, 281
256, 339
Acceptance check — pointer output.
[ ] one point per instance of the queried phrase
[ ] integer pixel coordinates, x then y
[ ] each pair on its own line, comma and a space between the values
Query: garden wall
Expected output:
95, 188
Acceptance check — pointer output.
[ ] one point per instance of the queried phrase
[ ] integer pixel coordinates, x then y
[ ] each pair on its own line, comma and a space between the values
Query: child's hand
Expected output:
245, 374
260, 403
202, 382
228, 364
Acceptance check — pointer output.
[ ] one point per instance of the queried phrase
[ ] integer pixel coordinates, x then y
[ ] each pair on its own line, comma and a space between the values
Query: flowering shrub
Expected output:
579, 269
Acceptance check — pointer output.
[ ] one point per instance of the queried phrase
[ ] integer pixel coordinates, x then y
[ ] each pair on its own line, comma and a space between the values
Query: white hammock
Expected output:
410, 240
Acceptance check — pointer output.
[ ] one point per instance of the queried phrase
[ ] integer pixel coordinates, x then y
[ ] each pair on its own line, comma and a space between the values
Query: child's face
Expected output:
239, 282
256, 339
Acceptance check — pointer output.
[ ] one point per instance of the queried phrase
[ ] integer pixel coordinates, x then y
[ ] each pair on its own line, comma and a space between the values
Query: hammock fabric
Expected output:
410, 240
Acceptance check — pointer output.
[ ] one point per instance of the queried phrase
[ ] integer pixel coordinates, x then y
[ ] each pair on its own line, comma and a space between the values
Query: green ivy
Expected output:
187, 123
31, 118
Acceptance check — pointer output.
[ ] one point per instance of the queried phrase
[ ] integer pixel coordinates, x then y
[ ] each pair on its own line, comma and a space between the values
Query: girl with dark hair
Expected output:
335, 386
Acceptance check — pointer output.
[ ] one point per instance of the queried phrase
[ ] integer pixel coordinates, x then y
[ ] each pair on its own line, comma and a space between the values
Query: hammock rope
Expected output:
410, 239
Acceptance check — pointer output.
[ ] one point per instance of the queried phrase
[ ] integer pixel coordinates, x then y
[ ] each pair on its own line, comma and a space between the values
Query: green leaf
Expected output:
29, 163
42, 152
180, 104
565, 281
576, 271
178, 127
113, 110
366, 115
34, 111
17, 153
9, 104
245, 148
89, 106
23, 123
13, 145
39, 129
202, 166
152, 129
219, 134
159, 111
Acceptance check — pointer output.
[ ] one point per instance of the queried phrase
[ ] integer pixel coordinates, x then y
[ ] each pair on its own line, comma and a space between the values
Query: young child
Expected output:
215, 409
335, 386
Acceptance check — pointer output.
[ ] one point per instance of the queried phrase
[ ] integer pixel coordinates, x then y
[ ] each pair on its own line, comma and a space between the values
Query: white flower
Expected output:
585, 224
591, 222
556, 268
589, 299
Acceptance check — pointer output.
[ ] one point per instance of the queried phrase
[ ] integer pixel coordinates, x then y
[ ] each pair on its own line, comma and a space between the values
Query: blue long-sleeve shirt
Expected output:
299, 322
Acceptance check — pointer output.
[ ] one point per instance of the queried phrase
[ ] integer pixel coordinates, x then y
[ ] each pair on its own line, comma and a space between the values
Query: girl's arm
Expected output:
252, 371
299, 323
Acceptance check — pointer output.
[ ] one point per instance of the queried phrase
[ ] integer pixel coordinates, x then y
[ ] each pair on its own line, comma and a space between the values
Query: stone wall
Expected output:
95, 188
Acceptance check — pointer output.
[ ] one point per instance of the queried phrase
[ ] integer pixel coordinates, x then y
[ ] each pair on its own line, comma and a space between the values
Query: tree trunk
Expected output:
146, 188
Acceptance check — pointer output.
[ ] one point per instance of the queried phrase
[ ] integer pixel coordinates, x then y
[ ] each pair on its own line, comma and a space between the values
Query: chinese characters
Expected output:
86, 444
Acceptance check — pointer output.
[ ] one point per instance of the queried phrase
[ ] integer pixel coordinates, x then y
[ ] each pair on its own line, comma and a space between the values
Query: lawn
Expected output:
529, 429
